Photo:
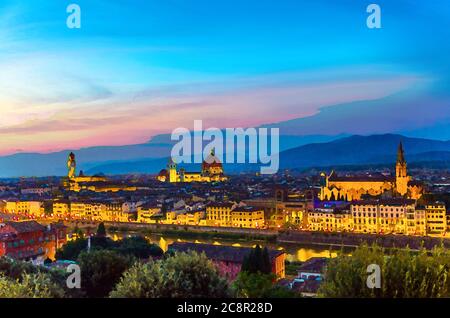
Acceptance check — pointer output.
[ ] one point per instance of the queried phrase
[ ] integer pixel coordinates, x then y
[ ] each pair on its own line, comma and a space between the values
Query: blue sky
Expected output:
139, 68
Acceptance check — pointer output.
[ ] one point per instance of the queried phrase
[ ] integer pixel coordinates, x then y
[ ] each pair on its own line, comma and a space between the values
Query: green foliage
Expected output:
101, 270
139, 247
38, 285
183, 275
257, 261
71, 249
291, 268
15, 269
259, 285
101, 230
135, 246
77, 232
404, 274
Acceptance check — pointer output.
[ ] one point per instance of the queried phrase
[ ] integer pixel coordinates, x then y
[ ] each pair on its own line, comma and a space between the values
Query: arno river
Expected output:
295, 252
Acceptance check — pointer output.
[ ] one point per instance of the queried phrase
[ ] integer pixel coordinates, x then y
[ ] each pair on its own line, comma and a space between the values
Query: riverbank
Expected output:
323, 239
356, 239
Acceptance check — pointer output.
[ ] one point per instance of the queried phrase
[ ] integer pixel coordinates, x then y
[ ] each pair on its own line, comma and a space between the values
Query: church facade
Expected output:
212, 171
351, 188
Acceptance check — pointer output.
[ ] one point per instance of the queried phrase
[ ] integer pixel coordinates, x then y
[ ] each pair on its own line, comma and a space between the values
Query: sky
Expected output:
136, 69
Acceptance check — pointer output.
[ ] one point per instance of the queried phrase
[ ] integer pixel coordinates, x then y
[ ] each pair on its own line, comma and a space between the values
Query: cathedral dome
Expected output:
211, 162
162, 173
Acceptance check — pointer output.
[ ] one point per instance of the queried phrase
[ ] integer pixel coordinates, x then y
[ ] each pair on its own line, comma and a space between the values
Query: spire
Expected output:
400, 153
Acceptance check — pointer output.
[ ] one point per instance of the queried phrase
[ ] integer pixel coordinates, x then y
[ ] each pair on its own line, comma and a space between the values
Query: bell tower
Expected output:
172, 167
401, 175
71, 166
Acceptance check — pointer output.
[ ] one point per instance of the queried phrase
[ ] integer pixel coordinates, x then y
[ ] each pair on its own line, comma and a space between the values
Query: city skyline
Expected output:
133, 72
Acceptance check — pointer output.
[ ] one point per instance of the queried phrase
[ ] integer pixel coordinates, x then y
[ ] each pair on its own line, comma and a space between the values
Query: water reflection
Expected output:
294, 252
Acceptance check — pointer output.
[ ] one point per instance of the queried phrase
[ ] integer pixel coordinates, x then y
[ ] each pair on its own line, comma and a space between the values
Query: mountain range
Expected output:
297, 152
353, 150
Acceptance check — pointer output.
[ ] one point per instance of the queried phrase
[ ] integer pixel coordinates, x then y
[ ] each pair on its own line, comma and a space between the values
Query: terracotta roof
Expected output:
362, 178
26, 226
220, 252
393, 201
314, 265
221, 205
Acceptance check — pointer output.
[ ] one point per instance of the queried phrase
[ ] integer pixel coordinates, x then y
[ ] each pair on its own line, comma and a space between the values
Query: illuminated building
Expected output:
282, 208
74, 182
29, 240
351, 188
331, 220
96, 183
219, 214
436, 218
102, 211
61, 209
29, 208
185, 218
383, 216
416, 221
247, 217
212, 171
145, 213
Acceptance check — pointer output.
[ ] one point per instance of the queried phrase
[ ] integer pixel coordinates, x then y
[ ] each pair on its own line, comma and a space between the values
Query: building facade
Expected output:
351, 188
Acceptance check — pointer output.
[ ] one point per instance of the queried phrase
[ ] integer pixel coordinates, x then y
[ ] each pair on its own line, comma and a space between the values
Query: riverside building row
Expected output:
382, 216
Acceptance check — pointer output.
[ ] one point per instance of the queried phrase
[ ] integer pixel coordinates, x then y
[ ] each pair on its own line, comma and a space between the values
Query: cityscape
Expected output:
318, 164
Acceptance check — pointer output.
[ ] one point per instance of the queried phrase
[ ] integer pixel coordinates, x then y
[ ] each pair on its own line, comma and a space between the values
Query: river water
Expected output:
294, 252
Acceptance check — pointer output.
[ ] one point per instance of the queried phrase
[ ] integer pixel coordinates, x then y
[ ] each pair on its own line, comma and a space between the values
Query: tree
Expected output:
259, 285
183, 275
38, 285
139, 247
77, 232
101, 270
101, 230
404, 274
136, 246
257, 261
71, 250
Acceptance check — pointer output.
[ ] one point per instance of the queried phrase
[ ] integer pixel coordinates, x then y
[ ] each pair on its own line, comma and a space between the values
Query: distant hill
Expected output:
354, 150
112, 159
152, 157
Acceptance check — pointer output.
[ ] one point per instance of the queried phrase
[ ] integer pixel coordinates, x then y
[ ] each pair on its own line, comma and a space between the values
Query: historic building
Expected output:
96, 183
29, 240
351, 188
74, 182
212, 171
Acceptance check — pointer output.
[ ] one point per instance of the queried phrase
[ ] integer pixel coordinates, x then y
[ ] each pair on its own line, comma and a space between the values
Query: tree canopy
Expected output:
404, 273
258, 260
101, 270
183, 275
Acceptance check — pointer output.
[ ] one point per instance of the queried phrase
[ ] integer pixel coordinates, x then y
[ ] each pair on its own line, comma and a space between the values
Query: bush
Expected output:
184, 275
101, 270
259, 285
38, 285
404, 274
